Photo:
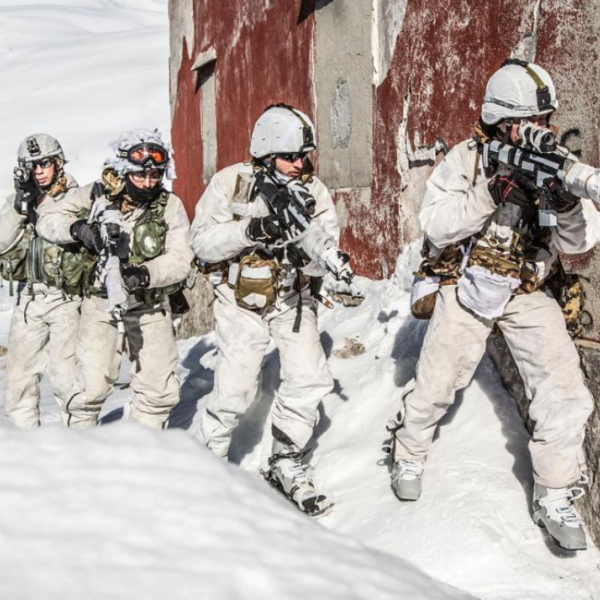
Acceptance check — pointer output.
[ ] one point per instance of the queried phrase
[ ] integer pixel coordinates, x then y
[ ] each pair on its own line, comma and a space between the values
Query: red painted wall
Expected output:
264, 56
443, 57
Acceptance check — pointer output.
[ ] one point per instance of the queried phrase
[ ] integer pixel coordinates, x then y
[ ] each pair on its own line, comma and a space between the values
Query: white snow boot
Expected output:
553, 509
406, 479
292, 479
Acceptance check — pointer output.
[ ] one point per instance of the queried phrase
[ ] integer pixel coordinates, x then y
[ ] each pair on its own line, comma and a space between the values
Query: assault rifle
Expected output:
295, 209
109, 219
540, 160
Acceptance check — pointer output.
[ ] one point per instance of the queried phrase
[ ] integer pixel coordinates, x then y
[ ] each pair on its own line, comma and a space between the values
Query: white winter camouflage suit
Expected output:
148, 336
243, 335
42, 332
454, 208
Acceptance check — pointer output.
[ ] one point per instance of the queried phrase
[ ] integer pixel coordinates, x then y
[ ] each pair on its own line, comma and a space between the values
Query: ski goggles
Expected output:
145, 154
293, 157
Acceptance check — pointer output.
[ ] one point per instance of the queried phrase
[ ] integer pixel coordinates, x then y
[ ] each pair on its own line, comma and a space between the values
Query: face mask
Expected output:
142, 195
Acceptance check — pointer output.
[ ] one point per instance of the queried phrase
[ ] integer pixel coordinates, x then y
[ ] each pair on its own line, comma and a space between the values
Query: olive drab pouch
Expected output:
13, 260
76, 269
255, 281
35, 261
149, 239
51, 264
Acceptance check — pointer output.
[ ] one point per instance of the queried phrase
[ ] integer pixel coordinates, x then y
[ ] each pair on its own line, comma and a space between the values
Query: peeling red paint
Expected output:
186, 136
270, 61
443, 58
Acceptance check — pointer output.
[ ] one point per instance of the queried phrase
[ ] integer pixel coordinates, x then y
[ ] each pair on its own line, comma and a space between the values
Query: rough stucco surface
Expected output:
568, 43
589, 505
388, 18
181, 21
343, 68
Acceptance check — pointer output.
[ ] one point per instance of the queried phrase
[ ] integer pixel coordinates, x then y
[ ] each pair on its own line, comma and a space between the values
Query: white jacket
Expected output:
166, 269
457, 205
12, 221
223, 214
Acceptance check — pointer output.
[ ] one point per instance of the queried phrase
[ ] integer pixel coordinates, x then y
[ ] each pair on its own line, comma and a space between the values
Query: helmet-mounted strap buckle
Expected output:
544, 98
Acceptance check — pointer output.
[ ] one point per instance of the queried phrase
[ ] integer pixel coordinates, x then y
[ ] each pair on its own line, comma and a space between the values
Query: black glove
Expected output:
88, 236
557, 197
27, 194
264, 229
297, 257
135, 277
513, 188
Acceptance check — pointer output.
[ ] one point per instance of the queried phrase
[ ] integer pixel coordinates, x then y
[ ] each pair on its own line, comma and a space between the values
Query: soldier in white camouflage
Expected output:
47, 279
151, 260
491, 250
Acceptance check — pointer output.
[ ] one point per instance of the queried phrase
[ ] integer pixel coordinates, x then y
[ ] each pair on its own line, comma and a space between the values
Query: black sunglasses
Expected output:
45, 163
292, 158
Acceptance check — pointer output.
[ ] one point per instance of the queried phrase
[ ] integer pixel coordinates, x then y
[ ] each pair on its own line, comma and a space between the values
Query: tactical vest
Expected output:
34, 260
148, 238
514, 258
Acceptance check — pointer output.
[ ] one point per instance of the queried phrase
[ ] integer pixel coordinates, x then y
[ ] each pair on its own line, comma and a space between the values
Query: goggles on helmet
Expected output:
146, 155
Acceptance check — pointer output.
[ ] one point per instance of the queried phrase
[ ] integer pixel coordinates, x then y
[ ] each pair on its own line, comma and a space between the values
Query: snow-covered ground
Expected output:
121, 512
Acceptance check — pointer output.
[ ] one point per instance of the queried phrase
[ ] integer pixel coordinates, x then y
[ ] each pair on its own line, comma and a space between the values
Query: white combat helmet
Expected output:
39, 146
153, 151
282, 129
517, 90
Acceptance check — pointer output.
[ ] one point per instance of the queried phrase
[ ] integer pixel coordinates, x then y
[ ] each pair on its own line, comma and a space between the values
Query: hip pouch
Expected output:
423, 296
486, 293
13, 260
255, 281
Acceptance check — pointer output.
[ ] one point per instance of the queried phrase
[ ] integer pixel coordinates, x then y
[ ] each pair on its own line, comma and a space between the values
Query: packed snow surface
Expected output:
121, 512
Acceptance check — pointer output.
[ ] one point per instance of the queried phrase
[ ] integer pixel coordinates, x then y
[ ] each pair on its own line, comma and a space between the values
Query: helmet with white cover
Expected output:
141, 149
282, 129
518, 89
37, 147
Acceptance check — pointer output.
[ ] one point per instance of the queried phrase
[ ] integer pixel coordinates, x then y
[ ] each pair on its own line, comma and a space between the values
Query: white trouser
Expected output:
41, 339
149, 340
535, 331
242, 339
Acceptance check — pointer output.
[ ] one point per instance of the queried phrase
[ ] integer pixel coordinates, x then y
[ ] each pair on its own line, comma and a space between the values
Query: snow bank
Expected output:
123, 512
119, 512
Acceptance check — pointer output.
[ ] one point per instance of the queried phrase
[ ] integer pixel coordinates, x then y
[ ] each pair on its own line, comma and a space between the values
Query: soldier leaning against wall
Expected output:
493, 257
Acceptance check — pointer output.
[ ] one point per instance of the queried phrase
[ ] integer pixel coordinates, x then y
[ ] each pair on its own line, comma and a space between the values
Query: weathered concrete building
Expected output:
390, 85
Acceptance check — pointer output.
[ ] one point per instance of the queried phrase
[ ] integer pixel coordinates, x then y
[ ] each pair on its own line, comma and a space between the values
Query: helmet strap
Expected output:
509, 125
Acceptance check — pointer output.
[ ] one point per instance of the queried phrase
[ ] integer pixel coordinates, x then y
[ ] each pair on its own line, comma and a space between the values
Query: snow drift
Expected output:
123, 512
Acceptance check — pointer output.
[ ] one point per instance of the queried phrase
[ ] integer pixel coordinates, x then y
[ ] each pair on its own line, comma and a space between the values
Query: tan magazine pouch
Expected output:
255, 281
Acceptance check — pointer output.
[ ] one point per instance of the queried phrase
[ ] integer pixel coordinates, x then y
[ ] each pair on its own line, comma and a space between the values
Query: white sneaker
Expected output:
407, 479
553, 509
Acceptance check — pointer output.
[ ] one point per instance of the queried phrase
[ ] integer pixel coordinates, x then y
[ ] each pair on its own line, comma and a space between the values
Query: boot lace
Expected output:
408, 469
561, 502
293, 467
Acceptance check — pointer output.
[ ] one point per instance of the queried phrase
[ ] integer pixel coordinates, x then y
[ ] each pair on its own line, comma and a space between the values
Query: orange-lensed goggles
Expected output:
146, 154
